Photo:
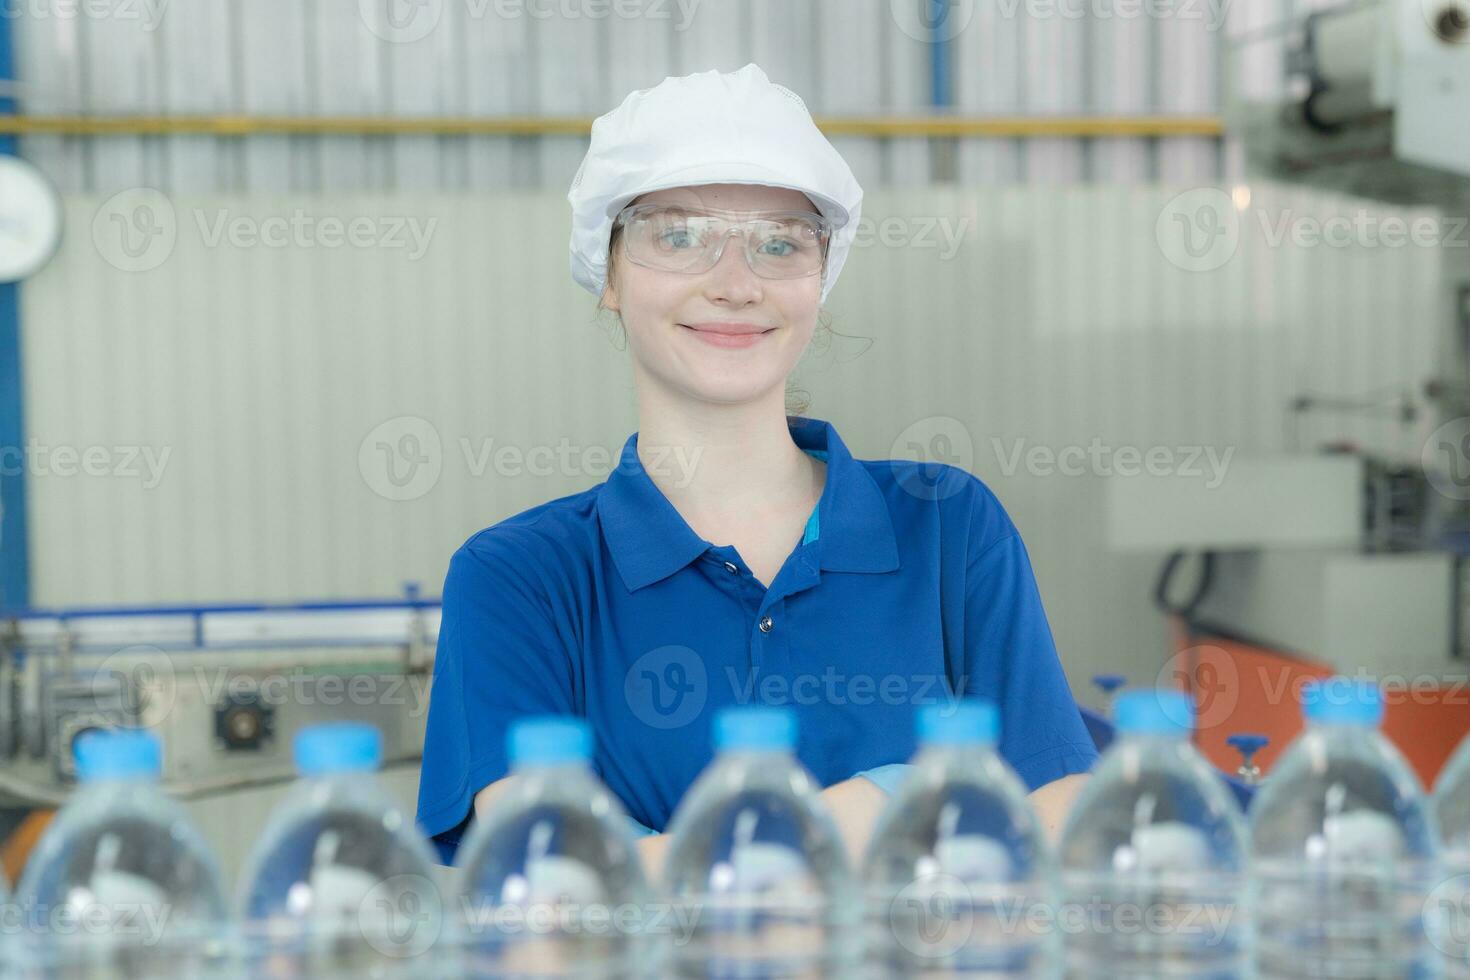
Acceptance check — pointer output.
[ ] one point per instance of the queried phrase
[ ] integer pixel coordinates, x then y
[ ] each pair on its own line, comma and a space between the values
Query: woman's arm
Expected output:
488, 793
1053, 802
854, 804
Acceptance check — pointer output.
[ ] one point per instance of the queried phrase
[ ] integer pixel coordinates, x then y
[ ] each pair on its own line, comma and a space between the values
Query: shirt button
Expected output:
766, 624
730, 566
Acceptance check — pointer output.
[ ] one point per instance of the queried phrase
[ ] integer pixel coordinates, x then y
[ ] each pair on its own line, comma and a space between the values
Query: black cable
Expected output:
1171, 565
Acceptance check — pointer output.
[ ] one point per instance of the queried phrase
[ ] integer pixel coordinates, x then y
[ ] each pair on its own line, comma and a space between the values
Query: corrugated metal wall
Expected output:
334, 416
495, 57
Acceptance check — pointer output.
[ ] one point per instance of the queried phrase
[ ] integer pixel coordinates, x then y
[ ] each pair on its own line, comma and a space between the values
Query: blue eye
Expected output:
783, 243
677, 238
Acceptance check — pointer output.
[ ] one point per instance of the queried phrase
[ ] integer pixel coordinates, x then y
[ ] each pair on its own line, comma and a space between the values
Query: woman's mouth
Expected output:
728, 334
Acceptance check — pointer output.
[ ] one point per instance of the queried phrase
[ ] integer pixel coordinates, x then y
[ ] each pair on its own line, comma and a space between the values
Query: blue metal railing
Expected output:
195, 633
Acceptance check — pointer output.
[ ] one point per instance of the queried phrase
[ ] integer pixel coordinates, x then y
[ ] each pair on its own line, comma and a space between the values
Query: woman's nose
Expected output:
731, 276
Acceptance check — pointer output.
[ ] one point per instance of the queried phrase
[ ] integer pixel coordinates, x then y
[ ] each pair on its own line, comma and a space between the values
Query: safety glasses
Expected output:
678, 238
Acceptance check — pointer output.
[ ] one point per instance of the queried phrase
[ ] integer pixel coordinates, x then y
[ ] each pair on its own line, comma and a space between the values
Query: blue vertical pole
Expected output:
939, 53
14, 547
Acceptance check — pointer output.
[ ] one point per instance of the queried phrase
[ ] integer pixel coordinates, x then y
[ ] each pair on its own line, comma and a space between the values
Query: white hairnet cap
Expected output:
707, 128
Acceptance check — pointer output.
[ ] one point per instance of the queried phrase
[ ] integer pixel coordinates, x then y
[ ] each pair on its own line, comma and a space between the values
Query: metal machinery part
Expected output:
1369, 87
243, 722
226, 687
73, 707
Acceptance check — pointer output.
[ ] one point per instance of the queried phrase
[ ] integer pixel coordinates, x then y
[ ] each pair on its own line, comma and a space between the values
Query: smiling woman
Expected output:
713, 217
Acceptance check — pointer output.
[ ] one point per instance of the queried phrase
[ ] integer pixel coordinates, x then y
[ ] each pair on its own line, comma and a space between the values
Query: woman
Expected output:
735, 554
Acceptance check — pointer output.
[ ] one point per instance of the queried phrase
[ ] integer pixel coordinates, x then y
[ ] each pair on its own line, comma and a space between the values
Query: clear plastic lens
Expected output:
778, 244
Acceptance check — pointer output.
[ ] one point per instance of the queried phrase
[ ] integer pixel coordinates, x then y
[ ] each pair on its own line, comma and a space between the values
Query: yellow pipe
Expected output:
887, 127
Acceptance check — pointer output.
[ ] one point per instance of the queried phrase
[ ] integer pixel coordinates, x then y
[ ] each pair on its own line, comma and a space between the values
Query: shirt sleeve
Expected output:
499, 657
1010, 656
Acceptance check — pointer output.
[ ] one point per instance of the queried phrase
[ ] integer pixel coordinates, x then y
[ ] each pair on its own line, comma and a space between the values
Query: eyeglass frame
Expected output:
824, 225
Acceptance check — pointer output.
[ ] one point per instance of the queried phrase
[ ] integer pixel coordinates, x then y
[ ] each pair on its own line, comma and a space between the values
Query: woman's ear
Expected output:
609, 300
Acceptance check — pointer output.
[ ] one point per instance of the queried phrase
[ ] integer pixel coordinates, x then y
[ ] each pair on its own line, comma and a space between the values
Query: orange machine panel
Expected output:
1238, 687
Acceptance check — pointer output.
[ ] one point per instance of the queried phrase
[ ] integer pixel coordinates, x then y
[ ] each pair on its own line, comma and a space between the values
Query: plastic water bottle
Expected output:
756, 868
1450, 900
1343, 847
1153, 855
10, 935
959, 876
121, 885
550, 878
340, 882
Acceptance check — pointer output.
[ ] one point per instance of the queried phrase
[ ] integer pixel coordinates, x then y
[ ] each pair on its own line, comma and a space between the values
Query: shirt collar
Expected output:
649, 540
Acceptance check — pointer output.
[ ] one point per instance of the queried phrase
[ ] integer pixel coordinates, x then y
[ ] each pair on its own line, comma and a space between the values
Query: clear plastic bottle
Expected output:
959, 876
340, 882
1153, 855
10, 934
756, 868
1450, 902
1343, 847
122, 884
549, 875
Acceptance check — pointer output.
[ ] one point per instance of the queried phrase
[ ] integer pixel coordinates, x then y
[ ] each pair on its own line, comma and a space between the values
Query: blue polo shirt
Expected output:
910, 586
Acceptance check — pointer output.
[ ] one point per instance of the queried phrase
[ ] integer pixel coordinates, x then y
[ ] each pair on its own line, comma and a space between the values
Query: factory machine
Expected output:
1369, 98
1336, 557
226, 686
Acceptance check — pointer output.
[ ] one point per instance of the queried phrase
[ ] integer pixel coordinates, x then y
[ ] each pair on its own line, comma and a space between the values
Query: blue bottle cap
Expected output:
337, 746
1151, 711
973, 721
118, 753
1342, 701
545, 740
755, 727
